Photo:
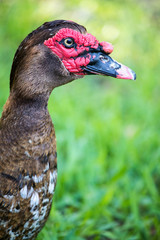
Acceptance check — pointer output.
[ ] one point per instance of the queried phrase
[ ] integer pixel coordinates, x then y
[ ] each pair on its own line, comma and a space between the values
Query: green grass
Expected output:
107, 129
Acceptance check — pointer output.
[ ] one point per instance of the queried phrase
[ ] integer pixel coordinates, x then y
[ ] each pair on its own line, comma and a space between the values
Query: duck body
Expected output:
56, 53
28, 181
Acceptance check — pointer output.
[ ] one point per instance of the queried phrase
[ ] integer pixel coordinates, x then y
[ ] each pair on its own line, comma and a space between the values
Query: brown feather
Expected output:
28, 158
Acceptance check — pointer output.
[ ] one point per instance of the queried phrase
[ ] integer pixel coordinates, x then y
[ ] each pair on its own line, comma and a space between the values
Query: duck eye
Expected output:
68, 42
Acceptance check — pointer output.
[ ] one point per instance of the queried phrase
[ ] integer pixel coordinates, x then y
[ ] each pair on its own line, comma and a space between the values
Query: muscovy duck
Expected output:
54, 54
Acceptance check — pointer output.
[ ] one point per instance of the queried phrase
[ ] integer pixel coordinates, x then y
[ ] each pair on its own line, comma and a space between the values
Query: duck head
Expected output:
84, 54
59, 52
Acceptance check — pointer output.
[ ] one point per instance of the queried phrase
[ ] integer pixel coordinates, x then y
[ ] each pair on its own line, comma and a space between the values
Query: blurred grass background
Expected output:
108, 130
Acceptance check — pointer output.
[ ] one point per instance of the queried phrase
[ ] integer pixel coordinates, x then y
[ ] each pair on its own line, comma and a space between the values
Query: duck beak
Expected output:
101, 63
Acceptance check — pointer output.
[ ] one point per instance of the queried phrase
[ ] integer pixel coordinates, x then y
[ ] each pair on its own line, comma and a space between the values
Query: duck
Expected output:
54, 54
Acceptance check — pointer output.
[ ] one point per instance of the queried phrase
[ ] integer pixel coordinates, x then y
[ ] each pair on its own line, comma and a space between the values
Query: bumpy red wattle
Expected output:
107, 47
71, 57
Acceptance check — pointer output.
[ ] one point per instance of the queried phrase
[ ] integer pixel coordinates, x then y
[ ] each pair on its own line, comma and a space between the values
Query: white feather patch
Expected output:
34, 199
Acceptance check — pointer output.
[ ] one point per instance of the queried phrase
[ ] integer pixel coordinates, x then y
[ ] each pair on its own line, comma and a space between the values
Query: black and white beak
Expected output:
101, 63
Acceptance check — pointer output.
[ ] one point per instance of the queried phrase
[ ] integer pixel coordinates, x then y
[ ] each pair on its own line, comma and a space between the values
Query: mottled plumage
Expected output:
28, 170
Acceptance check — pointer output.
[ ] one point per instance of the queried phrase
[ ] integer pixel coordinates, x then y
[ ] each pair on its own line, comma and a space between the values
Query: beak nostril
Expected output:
104, 59
101, 57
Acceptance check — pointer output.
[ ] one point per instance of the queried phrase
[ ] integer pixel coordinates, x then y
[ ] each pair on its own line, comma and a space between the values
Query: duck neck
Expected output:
39, 102
27, 123
25, 111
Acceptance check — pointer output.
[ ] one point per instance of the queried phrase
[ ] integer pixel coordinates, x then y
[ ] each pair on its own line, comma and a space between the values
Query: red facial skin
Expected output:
72, 57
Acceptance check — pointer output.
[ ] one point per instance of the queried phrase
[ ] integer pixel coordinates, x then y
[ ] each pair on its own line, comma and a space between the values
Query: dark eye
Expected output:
68, 42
